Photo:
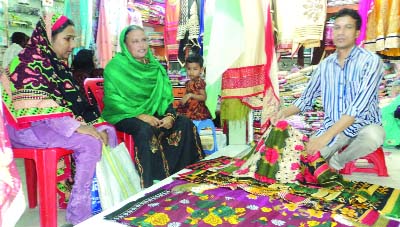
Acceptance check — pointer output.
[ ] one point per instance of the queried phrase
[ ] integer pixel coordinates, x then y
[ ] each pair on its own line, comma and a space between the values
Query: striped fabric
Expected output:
351, 90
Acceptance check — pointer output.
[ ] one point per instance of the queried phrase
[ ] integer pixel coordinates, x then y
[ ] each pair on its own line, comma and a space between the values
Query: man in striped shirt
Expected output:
348, 82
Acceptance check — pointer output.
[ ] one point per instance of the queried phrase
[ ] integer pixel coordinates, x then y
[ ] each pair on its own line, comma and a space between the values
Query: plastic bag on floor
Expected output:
116, 175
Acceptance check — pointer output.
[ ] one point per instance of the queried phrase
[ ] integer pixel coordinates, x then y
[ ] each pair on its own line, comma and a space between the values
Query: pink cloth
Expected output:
364, 8
104, 43
11, 207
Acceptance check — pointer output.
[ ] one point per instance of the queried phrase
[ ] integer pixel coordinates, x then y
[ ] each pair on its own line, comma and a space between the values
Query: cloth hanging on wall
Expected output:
188, 28
223, 44
383, 28
364, 8
113, 16
249, 77
171, 26
300, 23
82, 14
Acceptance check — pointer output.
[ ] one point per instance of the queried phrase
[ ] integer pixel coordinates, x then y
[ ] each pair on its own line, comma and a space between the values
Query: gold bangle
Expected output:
170, 115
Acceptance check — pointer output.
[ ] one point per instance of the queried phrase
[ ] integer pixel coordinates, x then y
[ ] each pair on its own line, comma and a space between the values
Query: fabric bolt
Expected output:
194, 109
356, 92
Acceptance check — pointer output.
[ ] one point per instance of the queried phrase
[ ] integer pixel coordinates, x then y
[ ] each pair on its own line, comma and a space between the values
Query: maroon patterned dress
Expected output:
194, 109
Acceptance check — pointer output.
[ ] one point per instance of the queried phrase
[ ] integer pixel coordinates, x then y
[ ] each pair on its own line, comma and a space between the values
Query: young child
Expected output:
193, 103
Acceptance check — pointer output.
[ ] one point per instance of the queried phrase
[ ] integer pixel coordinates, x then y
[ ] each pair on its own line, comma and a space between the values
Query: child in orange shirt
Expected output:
193, 103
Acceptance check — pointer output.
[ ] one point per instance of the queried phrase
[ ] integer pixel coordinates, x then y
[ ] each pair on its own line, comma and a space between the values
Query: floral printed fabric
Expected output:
182, 204
280, 157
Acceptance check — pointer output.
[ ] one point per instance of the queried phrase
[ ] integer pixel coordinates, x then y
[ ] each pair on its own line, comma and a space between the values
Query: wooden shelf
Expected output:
335, 9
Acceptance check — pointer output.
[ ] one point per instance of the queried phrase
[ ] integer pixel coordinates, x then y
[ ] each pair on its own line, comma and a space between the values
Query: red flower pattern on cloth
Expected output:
282, 125
271, 155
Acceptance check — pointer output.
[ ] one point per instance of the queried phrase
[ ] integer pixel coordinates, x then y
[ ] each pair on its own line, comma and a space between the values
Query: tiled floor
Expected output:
31, 216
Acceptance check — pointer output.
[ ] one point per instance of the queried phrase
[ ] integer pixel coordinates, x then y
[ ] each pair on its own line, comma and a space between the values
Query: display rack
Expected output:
21, 16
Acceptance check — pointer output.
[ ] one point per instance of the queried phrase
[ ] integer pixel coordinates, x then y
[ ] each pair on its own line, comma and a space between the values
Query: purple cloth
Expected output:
215, 207
60, 132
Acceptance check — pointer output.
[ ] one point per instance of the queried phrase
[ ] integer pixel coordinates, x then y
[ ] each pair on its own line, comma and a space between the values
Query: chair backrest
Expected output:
94, 86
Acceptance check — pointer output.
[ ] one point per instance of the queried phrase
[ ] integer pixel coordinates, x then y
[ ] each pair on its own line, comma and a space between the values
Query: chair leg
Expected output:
47, 163
31, 182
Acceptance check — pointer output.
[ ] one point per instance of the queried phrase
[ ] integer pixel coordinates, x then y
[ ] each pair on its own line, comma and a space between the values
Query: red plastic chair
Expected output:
377, 159
41, 170
95, 86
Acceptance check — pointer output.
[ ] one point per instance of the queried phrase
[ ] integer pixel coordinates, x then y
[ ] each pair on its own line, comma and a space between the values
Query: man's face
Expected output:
345, 32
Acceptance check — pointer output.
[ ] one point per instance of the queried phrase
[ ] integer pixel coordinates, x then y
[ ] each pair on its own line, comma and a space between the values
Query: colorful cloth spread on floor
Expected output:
258, 189
278, 167
188, 204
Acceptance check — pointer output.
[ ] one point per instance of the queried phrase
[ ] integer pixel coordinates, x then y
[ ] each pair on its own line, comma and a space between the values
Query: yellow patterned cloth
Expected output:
383, 28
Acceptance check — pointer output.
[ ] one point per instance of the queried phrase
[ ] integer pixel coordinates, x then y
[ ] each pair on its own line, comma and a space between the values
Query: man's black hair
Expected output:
351, 13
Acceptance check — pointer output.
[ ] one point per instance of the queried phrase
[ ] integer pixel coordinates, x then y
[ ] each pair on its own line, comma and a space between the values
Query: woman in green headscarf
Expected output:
138, 100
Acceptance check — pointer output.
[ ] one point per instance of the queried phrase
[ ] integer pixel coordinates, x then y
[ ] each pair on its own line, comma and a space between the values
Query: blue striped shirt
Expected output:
351, 90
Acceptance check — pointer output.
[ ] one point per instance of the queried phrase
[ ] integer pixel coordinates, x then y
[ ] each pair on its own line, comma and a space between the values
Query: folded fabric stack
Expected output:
156, 38
291, 86
152, 12
390, 86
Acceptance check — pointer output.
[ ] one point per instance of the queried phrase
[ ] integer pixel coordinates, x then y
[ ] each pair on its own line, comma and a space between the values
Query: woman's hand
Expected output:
90, 130
151, 120
167, 122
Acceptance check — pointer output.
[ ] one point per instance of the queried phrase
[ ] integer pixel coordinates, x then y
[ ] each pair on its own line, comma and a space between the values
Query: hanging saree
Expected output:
383, 28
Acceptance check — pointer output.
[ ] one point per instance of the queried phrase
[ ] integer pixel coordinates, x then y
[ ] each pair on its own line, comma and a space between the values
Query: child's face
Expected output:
193, 70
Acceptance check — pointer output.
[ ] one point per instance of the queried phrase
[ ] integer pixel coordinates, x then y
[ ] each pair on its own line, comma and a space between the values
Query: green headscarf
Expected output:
132, 88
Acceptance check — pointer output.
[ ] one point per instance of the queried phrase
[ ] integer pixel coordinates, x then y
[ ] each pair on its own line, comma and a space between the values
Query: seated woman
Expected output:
83, 67
49, 111
138, 100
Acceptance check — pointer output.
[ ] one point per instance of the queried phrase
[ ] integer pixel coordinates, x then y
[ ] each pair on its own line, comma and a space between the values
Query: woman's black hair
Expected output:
62, 27
83, 60
132, 28
195, 58
351, 13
